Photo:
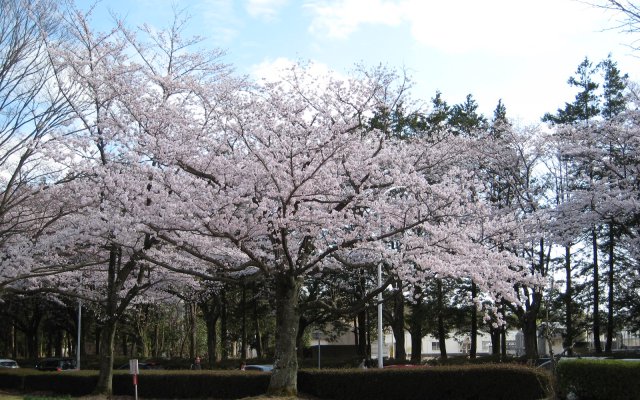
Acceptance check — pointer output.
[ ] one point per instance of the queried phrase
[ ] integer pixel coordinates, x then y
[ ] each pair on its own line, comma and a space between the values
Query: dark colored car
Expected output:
142, 365
56, 364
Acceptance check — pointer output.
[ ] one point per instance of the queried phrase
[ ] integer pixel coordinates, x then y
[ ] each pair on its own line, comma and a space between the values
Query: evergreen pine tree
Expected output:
613, 101
585, 105
464, 118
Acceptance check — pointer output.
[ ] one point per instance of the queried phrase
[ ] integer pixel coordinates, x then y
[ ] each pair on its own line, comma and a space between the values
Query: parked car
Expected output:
56, 364
259, 367
6, 363
394, 366
142, 365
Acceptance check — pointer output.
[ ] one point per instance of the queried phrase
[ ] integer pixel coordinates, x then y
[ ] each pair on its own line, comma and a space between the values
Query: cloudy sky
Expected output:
520, 51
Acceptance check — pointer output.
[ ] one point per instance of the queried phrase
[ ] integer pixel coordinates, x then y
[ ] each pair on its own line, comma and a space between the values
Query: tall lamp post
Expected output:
318, 335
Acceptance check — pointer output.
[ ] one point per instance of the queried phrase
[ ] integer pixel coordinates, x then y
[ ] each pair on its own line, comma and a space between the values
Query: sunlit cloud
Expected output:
498, 26
264, 9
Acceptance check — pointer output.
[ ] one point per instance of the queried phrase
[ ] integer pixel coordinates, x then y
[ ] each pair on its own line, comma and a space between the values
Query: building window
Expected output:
435, 346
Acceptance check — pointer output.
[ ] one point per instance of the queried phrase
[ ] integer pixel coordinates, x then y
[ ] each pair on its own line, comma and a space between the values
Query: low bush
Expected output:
478, 382
599, 379
467, 382
193, 384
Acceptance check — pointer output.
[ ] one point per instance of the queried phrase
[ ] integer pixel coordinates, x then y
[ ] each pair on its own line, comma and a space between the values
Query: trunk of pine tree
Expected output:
441, 330
503, 343
57, 339
284, 376
474, 322
398, 323
192, 329
212, 339
14, 347
243, 333
256, 322
224, 334
568, 304
596, 293
33, 344
107, 344
610, 322
362, 334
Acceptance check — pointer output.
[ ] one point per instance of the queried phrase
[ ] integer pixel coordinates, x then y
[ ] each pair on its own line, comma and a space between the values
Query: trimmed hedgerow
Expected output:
194, 384
428, 383
478, 382
599, 379
77, 383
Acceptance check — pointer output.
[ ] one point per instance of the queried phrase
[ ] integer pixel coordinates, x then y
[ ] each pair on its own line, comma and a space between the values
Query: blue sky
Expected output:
520, 51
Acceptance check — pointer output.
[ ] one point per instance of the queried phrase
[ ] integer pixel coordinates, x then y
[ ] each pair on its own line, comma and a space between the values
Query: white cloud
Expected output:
265, 9
340, 18
459, 26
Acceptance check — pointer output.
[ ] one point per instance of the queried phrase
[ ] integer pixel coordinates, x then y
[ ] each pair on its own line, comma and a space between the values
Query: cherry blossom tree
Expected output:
32, 109
293, 180
126, 90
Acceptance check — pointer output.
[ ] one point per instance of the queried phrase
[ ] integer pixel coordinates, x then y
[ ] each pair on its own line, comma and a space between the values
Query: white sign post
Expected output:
133, 369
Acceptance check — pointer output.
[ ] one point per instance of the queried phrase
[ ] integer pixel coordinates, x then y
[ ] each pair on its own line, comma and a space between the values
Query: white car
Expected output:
261, 367
6, 363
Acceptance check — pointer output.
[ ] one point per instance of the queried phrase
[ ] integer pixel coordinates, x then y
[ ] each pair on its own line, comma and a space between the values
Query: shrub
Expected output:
466, 382
193, 384
477, 382
599, 379
77, 383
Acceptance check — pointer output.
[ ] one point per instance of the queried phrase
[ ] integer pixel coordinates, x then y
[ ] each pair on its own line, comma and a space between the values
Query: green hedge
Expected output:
477, 382
151, 384
599, 379
194, 384
468, 382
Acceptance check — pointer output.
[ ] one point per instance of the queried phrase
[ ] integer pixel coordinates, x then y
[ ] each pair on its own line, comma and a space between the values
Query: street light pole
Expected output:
317, 335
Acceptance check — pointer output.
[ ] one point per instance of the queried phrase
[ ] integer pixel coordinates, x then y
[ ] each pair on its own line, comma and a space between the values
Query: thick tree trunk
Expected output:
284, 376
416, 327
568, 304
107, 344
596, 293
530, 331
474, 322
494, 334
211, 313
416, 344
